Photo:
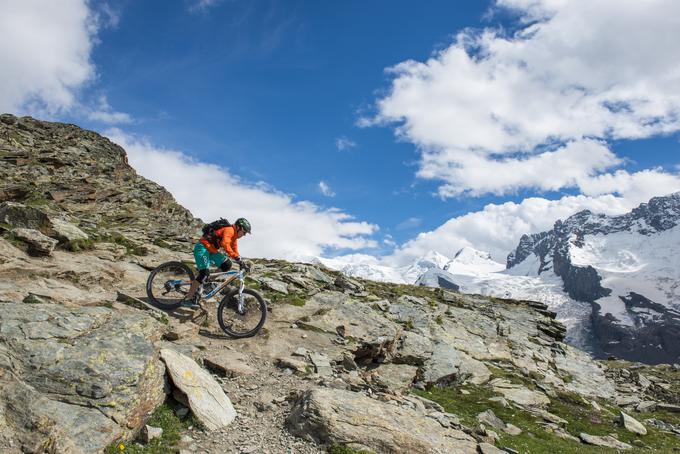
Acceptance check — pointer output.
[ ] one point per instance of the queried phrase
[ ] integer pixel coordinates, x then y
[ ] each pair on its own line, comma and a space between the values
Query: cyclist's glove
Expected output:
242, 264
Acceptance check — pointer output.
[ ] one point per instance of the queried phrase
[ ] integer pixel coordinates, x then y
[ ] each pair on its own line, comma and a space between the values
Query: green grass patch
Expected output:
80, 245
342, 449
294, 299
535, 439
130, 247
165, 418
160, 242
252, 283
14, 241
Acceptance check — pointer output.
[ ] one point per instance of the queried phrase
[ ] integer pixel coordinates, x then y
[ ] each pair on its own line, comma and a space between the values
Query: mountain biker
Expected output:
206, 251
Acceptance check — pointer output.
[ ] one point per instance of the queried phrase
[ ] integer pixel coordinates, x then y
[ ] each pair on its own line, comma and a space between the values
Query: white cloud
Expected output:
45, 58
44, 54
325, 189
104, 113
343, 143
203, 5
108, 16
498, 227
282, 227
410, 223
495, 113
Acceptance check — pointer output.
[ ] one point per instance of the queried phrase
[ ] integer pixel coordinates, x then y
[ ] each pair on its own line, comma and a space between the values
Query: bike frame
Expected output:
232, 276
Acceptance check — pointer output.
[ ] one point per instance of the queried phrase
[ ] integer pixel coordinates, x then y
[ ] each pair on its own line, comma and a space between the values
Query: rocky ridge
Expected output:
342, 364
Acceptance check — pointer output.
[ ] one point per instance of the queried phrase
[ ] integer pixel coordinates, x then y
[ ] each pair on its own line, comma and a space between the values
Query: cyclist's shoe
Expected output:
191, 303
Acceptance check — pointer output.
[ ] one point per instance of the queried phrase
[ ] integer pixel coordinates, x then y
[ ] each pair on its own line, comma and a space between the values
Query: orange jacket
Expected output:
228, 240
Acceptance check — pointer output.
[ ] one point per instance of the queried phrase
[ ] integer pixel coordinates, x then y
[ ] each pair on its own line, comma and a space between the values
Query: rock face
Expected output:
353, 420
626, 268
76, 378
95, 187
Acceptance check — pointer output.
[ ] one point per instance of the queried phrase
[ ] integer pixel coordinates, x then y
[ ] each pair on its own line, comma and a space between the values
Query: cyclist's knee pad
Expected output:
203, 275
226, 265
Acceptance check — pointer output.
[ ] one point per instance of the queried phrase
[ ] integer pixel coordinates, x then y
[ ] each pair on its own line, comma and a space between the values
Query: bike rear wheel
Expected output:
246, 324
168, 284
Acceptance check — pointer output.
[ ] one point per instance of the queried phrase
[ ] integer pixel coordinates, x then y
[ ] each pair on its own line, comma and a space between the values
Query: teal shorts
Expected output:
204, 258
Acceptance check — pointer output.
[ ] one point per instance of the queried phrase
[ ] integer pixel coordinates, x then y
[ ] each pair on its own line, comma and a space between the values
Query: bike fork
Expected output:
239, 298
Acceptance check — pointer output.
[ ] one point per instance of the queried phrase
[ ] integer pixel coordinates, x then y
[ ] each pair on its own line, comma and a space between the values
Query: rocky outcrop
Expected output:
353, 420
76, 378
81, 177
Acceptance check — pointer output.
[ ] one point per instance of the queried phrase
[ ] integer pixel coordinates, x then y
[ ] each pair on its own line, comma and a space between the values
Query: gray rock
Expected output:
206, 398
90, 373
230, 363
318, 275
275, 285
376, 336
646, 406
605, 441
511, 429
66, 232
18, 215
414, 349
293, 363
333, 416
520, 394
624, 401
631, 424
486, 448
149, 433
448, 365
348, 284
38, 244
547, 416
395, 378
301, 351
489, 418
321, 364
500, 401
383, 305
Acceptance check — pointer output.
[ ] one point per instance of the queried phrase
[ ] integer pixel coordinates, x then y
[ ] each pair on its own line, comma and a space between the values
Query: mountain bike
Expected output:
241, 311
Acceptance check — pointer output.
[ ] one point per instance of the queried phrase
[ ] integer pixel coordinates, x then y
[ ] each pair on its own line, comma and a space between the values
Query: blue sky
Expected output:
268, 89
296, 103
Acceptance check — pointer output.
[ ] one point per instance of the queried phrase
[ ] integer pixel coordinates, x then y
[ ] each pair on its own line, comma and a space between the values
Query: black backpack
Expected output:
210, 229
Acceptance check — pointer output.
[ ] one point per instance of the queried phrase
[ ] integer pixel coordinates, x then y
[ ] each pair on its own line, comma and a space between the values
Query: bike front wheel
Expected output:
247, 322
168, 284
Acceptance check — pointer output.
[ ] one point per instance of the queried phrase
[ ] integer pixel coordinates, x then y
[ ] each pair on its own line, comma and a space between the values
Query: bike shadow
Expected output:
213, 335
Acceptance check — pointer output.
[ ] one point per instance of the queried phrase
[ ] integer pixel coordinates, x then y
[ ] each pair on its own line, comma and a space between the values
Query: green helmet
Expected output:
243, 223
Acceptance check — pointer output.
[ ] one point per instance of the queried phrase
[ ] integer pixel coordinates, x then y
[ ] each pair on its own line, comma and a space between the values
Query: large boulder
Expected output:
375, 338
67, 232
203, 394
450, 366
38, 244
331, 416
76, 378
21, 216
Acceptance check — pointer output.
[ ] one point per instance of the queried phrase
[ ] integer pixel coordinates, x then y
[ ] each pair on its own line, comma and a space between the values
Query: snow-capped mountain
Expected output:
627, 266
614, 281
